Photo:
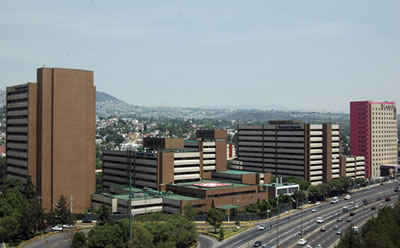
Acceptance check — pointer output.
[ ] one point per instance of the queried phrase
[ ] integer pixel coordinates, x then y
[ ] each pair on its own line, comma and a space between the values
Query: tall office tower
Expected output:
290, 149
373, 134
50, 135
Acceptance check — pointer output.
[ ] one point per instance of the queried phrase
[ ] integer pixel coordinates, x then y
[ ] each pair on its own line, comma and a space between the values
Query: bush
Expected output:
79, 240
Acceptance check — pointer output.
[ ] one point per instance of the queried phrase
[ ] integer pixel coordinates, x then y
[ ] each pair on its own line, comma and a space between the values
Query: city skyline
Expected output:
300, 56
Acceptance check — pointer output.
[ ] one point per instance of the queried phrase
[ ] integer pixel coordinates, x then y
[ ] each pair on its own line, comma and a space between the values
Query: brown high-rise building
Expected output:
51, 131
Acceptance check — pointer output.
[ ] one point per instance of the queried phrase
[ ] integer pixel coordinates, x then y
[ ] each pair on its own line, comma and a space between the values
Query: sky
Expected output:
315, 55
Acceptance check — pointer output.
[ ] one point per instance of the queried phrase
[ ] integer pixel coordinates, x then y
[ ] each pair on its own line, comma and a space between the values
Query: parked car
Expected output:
302, 242
86, 221
57, 228
67, 226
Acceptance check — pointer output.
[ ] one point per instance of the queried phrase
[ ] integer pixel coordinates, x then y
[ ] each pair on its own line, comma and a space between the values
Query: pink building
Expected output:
373, 134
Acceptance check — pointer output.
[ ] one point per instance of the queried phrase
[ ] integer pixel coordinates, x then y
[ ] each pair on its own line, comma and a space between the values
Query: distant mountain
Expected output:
104, 97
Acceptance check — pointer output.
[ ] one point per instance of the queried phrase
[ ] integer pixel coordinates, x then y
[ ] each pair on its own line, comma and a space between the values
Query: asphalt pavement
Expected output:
290, 225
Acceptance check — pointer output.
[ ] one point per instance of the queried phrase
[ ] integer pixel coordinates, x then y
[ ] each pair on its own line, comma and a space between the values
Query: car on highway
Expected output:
347, 197
265, 246
339, 232
67, 226
388, 199
302, 242
258, 243
369, 187
352, 203
314, 210
352, 213
348, 220
301, 232
373, 208
308, 246
322, 229
318, 203
335, 199
365, 208
365, 201
320, 220
318, 246
335, 227
57, 228
345, 209
339, 219
356, 206
261, 227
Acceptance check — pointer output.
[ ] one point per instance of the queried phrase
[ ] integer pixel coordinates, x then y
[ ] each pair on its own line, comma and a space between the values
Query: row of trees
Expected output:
380, 232
21, 214
334, 188
151, 230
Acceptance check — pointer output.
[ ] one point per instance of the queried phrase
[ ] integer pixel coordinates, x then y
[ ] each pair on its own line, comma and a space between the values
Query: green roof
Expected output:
279, 185
230, 206
190, 184
181, 197
238, 172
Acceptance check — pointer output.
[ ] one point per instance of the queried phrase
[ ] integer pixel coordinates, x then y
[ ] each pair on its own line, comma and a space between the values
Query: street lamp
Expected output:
277, 225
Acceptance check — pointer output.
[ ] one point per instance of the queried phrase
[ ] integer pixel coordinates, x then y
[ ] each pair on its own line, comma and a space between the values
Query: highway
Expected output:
290, 225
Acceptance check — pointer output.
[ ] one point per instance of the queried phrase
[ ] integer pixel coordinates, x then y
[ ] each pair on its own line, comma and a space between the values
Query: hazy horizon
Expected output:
298, 55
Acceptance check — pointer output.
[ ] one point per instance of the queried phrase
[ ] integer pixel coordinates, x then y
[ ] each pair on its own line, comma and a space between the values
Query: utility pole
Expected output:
277, 226
129, 165
70, 203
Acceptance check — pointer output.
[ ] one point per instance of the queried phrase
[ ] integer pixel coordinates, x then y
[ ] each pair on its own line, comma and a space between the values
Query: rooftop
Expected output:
181, 197
238, 172
279, 184
204, 181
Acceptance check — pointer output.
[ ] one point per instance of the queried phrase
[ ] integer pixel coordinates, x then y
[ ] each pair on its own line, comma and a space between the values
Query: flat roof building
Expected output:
290, 149
50, 135
373, 134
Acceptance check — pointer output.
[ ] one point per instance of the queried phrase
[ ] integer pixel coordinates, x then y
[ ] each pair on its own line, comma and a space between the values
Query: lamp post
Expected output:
277, 225
129, 165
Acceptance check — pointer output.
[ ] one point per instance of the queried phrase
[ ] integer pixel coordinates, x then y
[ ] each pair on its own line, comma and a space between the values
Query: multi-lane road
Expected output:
286, 233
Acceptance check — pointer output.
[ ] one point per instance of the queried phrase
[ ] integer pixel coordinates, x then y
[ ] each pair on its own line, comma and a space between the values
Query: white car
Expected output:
57, 228
308, 246
314, 210
302, 242
261, 227
356, 206
317, 203
67, 226
320, 220
347, 197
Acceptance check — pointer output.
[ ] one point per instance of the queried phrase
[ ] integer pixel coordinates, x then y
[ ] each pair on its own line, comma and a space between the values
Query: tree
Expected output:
189, 211
79, 240
9, 227
62, 213
142, 238
105, 215
221, 233
215, 217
